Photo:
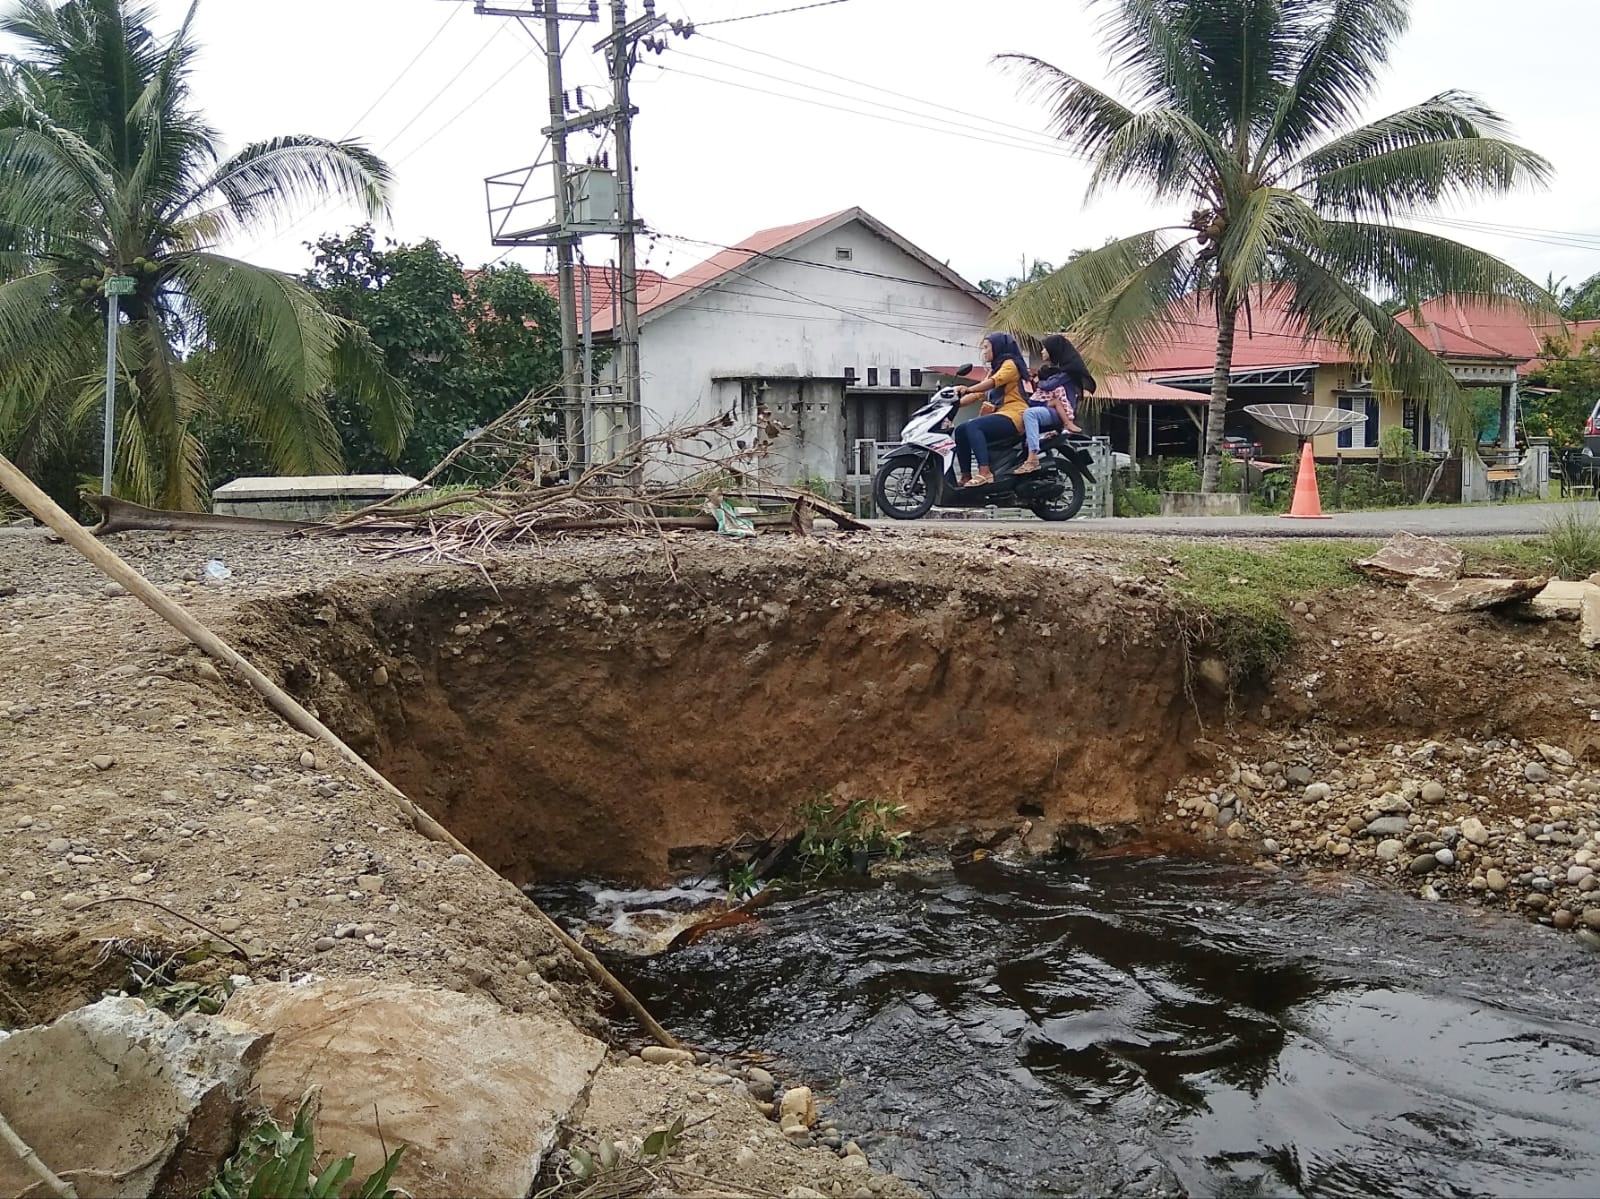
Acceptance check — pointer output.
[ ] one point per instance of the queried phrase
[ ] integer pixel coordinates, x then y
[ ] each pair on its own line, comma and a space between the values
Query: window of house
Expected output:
849, 374
916, 378
1361, 437
894, 376
872, 376
843, 253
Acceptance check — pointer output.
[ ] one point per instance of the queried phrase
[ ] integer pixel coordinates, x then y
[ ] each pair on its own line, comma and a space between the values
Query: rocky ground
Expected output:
149, 806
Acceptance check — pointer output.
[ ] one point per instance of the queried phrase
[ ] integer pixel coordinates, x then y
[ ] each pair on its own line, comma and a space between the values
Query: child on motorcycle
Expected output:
1002, 414
1062, 380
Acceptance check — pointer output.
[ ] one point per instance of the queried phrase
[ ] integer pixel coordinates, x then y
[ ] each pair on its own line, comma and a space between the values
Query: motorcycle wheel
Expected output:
1065, 506
906, 488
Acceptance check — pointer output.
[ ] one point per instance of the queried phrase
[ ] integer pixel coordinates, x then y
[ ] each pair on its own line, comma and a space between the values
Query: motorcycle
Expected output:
918, 475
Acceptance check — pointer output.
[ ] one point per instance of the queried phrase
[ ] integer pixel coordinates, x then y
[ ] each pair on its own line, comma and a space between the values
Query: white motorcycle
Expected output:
918, 475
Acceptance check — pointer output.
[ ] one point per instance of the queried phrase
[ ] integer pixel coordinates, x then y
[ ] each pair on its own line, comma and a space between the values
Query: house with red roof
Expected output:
1276, 360
826, 323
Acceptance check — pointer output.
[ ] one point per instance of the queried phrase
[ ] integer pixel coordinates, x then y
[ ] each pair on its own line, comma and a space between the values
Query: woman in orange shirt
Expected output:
1002, 413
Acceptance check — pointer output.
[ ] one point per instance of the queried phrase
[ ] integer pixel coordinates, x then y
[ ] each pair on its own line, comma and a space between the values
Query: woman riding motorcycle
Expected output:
1002, 412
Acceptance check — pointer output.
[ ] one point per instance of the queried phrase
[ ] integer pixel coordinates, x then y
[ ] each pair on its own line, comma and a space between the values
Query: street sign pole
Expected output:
116, 287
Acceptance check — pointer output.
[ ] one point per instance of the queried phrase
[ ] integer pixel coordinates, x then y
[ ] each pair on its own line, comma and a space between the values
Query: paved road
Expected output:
1464, 520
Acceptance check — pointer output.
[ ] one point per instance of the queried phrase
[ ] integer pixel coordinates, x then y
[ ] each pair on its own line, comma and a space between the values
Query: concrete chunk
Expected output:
1406, 556
1472, 595
121, 1100
477, 1093
1561, 600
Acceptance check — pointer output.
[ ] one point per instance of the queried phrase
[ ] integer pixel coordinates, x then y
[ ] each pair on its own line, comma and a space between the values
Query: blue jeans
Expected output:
972, 438
1035, 420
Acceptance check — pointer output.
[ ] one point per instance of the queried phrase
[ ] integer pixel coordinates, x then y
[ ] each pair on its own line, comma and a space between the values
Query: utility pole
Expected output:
116, 287
566, 295
627, 262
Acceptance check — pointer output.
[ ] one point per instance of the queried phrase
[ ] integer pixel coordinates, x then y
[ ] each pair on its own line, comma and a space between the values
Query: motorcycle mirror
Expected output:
964, 368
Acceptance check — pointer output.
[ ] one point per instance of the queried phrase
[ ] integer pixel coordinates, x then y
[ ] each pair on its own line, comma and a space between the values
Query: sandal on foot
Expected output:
1025, 469
978, 481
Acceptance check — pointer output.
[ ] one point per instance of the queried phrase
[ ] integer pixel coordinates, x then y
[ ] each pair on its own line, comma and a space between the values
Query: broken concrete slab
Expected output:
1589, 619
476, 1093
1561, 600
1455, 596
1406, 556
121, 1100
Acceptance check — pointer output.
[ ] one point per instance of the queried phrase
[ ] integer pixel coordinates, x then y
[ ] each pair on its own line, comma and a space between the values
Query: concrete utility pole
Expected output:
566, 293
627, 262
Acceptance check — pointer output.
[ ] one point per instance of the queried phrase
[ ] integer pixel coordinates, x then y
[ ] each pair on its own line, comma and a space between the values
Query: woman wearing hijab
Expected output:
1002, 413
1063, 379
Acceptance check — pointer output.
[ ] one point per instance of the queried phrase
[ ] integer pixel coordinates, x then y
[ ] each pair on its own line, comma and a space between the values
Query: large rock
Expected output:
121, 1100
1405, 556
475, 1092
1589, 620
1561, 600
1453, 597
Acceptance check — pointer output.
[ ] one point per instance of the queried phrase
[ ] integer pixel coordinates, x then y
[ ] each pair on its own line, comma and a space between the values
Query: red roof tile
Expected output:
1269, 337
603, 290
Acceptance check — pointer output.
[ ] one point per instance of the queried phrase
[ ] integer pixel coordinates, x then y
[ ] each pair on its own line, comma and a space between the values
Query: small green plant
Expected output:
608, 1172
1132, 499
1181, 476
817, 486
273, 1164
743, 882
835, 834
1572, 542
1397, 445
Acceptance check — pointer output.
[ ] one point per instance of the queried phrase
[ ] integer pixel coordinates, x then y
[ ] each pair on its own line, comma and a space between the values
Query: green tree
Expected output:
107, 168
1246, 112
1558, 397
468, 346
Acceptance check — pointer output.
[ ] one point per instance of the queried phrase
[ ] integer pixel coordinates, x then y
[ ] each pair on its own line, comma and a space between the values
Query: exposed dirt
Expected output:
601, 709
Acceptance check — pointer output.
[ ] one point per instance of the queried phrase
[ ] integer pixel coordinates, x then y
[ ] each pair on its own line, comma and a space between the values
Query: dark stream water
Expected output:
1159, 1027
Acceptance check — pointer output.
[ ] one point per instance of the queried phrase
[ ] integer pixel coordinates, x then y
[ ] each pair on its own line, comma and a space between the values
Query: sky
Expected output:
767, 121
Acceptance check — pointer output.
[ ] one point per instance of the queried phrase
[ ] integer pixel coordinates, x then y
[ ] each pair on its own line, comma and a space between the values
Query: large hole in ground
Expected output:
615, 726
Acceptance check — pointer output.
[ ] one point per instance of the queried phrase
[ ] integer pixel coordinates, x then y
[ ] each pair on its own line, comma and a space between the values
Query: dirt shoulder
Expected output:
131, 770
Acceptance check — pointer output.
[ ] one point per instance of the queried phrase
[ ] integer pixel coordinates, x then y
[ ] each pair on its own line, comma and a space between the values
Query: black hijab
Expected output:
1067, 361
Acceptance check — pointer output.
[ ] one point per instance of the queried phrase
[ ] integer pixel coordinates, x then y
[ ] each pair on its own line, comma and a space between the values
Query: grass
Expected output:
1569, 549
1236, 599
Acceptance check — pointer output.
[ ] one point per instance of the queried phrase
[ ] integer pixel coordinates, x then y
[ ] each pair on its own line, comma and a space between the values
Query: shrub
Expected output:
838, 837
1572, 543
274, 1164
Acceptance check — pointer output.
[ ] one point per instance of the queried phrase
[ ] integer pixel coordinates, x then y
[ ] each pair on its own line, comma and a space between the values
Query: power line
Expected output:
947, 130
437, 96
777, 12
506, 74
404, 71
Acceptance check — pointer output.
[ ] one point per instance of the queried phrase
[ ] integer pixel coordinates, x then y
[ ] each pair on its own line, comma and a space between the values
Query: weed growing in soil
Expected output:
1237, 599
838, 837
1573, 543
609, 1172
272, 1163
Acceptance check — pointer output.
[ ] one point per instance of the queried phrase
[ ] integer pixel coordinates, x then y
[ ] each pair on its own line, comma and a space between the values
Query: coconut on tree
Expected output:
1246, 114
107, 168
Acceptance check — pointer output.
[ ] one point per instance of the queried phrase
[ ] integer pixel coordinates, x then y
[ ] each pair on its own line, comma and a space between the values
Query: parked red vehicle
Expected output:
1241, 448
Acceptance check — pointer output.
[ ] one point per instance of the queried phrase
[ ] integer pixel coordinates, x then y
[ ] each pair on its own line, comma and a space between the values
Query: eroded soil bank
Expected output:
601, 709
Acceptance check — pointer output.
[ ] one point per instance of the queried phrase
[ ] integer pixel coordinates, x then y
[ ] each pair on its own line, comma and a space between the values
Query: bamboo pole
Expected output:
286, 706
55, 1185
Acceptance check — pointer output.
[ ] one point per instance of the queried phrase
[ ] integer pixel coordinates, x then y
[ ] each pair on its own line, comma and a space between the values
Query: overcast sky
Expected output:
977, 184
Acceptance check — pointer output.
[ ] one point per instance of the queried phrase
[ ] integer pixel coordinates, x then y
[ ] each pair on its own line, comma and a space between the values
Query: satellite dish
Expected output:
1305, 420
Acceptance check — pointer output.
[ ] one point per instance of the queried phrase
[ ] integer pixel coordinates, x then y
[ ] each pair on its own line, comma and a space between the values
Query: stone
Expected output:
1406, 556
660, 1055
1560, 600
1474, 831
1591, 917
803, 1193
370, 884
1446, 858
1497, 881
380, 677
476, 1093
308, 759
103, 761
1576, 874
207, 673
1339, 849
1563, 919
1318, 793
120, 1099
1535, 773
1388, 826
1423, 863
1237, 831
799, 1103
1390, 850
1433, 793
1472, 595
1589, 620
1269, 846
1271, 769
1554, 754
761, 1085
1300, 776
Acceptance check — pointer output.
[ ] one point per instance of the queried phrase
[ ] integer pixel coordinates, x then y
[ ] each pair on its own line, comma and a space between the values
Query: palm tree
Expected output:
1247, 112
106, 168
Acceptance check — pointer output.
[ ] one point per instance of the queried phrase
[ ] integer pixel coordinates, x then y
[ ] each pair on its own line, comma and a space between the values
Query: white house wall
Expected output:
784, 319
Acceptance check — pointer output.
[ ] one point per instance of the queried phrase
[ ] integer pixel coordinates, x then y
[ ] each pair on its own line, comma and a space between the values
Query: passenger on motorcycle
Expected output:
1062, 380
1008, 372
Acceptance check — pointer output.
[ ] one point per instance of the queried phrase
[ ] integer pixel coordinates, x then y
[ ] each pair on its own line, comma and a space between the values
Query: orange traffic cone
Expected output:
1306, 504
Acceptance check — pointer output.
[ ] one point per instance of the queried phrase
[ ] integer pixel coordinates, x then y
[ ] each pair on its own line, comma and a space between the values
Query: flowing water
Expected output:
1159, 1027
